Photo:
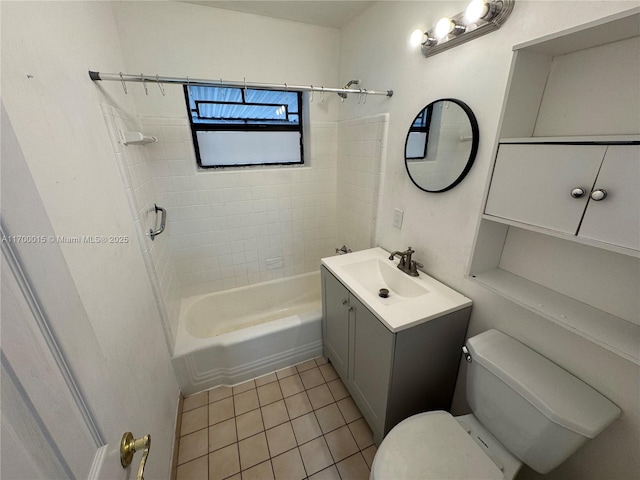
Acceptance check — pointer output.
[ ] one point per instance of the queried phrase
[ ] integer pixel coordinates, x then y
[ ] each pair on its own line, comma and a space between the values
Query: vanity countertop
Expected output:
411, 300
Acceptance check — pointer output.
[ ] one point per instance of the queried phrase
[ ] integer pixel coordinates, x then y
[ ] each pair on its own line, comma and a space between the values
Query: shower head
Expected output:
351, 82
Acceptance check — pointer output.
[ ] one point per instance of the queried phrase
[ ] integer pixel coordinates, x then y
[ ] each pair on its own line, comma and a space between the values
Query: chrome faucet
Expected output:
406, 264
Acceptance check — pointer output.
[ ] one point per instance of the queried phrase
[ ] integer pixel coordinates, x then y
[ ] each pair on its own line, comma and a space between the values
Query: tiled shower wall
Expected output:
244, 226
362, 148
238, 227
133, 162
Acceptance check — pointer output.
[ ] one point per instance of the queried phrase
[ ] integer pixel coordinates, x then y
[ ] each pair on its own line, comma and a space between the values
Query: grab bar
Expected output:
163, 220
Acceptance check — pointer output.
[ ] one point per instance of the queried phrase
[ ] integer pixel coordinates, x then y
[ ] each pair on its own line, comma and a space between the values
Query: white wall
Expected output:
441, 227
179, 39
47, 48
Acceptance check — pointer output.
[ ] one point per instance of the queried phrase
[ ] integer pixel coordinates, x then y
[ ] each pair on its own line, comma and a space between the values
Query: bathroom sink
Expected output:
373, 274
411, 300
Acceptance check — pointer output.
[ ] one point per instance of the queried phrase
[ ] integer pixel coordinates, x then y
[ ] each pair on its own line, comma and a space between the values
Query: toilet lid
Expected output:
432, 445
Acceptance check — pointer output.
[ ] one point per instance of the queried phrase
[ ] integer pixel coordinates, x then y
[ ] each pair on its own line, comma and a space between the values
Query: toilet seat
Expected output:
432, 445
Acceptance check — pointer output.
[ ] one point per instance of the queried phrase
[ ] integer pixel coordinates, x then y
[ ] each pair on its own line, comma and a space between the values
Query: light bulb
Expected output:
416, 38
476, 10
443, 28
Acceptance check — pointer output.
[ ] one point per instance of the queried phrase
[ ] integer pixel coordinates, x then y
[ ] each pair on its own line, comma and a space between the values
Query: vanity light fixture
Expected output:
447, 27
479, 18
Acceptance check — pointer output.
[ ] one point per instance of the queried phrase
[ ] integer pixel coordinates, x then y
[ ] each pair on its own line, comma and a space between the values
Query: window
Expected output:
416, 147
233, 127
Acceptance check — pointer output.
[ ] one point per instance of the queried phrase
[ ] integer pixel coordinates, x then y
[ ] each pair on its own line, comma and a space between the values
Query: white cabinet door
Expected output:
532, 184
616, 218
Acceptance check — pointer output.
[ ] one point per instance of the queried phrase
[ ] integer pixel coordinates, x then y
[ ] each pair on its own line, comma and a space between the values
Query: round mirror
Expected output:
441, 145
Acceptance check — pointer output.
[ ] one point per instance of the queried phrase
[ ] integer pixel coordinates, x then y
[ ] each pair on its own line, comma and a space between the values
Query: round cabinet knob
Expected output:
345, 301
578, 192
598, 195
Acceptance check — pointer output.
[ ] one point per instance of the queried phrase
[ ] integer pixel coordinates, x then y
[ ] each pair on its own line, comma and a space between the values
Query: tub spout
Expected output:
342, 250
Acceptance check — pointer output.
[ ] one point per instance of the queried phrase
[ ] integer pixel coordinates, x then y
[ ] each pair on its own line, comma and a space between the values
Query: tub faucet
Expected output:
344, 249
406, 264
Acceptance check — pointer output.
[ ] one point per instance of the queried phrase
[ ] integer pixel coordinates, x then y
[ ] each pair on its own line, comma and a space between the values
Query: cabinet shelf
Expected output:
611, 332
572, 238
577, 140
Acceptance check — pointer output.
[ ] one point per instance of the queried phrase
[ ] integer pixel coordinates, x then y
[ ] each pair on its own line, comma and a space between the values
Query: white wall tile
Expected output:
251, 214
359, 171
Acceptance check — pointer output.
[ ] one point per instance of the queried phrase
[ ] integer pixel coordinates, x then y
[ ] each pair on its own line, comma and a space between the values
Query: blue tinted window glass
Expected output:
245, 127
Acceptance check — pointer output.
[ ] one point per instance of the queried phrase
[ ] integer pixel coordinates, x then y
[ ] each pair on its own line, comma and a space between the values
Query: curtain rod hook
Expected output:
146, 92
124, 87
311, 99
322, 94
160, 85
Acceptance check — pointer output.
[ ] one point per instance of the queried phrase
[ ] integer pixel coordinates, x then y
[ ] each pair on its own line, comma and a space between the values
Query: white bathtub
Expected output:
231, 336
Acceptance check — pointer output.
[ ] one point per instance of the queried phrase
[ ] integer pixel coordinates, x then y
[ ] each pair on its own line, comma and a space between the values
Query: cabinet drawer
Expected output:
532, 184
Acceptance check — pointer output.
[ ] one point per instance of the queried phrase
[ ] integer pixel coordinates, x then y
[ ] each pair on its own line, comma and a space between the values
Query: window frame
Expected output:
426, 114
246, 127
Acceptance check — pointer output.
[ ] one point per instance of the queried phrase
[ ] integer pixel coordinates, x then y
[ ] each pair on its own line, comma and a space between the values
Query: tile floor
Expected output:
294, 424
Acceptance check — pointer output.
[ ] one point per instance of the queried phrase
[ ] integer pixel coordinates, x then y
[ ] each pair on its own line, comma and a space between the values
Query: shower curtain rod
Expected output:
125, 77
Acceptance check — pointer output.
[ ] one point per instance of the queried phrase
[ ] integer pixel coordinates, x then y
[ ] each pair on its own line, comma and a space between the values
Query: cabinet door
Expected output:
616, 218
335, 322
371, 364
533, 183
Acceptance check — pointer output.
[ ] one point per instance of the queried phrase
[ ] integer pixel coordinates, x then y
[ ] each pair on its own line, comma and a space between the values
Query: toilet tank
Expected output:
540, 412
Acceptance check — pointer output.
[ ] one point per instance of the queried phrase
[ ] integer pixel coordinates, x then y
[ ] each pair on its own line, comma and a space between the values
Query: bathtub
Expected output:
228, 337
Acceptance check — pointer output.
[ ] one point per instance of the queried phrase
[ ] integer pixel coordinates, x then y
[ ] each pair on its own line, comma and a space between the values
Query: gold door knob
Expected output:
128, 446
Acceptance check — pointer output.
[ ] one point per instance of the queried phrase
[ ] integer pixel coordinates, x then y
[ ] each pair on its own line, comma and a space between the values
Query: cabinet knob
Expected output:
351, 309
345, 301
599, 194
578, 192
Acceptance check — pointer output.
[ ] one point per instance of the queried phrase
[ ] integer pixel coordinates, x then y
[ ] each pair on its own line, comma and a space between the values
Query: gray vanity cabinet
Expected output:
390, 375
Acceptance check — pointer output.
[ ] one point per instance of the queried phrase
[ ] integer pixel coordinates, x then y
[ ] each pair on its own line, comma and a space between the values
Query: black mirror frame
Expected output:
475, 134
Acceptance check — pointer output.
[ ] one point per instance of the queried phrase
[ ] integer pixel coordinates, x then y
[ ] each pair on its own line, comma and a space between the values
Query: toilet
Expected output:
526, 409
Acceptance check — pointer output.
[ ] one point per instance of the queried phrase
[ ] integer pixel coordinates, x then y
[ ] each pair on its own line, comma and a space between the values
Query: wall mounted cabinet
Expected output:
584, 190
560, 229
390, 375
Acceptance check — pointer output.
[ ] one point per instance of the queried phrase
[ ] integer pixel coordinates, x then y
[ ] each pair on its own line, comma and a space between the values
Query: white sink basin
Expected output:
411, 300
373, 274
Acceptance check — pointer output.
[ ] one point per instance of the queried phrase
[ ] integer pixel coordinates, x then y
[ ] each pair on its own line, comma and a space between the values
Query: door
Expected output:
532, 184
336, 322
56, 381
47, 429
615, 218
372, 358
43, 432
